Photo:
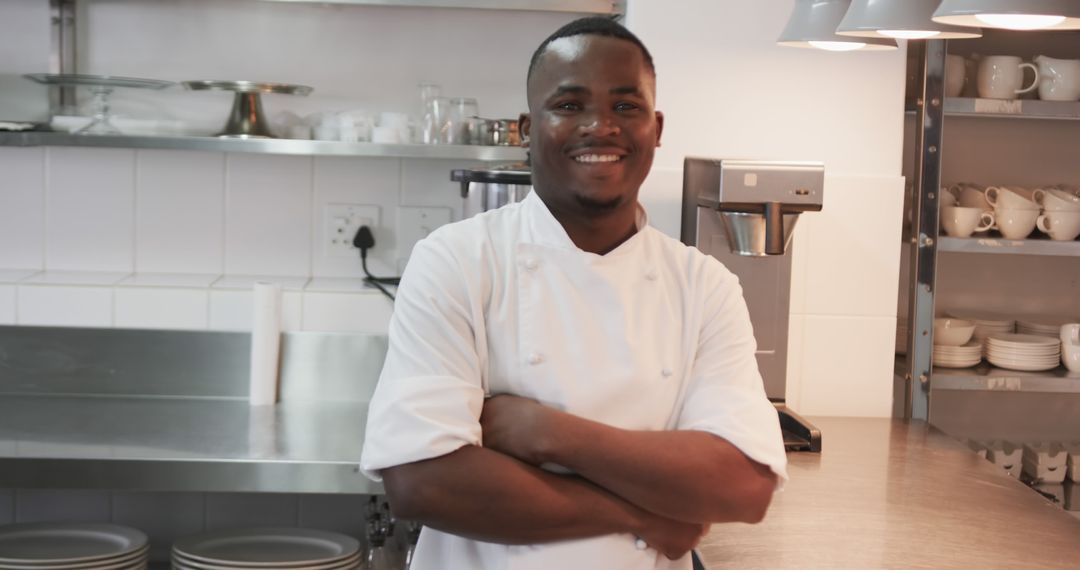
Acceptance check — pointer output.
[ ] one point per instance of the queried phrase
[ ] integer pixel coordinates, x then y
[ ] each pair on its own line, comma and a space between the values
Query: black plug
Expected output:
364, 239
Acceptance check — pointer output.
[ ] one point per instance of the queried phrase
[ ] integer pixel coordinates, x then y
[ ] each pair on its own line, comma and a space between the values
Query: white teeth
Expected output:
597, 158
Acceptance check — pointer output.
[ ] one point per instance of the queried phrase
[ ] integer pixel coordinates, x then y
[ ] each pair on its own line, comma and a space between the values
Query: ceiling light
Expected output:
1011, 14
903, 19
813, 25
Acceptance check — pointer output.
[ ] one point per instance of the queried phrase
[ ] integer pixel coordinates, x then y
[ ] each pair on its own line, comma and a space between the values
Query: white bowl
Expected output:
953, 332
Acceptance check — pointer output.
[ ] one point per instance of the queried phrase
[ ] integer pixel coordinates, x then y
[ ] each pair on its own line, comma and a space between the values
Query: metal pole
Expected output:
924, 230
62, 53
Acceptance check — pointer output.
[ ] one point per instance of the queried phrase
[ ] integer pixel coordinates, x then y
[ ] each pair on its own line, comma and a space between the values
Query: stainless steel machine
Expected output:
743, 213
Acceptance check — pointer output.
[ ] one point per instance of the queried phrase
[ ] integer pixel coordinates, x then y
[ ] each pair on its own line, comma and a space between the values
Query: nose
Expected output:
599, 124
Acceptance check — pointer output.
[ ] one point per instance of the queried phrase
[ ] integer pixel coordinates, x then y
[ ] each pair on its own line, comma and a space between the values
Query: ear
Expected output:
659, 126
524, 124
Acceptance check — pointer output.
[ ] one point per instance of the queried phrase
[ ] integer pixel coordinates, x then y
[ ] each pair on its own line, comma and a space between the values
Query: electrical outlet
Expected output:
340, 222
414, 224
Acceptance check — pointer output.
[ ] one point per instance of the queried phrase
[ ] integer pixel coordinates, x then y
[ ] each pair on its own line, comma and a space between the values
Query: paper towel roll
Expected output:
265, 344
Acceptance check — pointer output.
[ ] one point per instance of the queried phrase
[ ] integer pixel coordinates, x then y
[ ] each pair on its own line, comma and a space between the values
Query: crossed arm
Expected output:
665, 487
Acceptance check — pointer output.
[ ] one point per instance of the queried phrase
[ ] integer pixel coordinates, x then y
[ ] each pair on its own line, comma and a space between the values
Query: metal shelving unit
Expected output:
267, 146
1012, 109
987, 377
991, 245
572, 6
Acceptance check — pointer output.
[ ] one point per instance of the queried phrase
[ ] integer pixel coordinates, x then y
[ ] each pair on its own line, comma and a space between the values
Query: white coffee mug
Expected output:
955, 75
1002, 77
1060, 226
1015, 224
973, 197
1070, 346
962, 222
1054, 200
1060, 79
1012, 197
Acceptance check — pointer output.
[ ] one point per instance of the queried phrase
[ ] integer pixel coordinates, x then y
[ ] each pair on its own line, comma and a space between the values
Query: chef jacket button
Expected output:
666, 372
536, 358
651, 275
531, 264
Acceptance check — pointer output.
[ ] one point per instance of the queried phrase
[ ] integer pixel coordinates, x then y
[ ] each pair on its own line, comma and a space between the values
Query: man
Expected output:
567, 387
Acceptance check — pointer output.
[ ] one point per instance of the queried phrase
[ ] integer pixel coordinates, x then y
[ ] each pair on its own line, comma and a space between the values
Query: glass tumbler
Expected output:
461, 110
429, 126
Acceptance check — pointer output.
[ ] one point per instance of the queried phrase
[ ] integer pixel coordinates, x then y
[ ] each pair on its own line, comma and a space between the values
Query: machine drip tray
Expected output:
799, 434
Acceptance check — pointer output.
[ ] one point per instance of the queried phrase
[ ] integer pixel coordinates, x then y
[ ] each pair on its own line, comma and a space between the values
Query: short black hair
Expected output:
591, 26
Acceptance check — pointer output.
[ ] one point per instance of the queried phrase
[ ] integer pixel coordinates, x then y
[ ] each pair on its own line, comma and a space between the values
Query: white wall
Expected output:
728, 91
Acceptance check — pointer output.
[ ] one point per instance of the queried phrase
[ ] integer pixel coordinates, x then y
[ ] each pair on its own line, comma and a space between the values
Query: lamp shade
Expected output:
1011, 14
813, 24
908, 19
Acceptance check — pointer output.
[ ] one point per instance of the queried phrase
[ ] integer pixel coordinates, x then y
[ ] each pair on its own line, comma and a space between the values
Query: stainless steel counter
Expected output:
181, 444
890, 494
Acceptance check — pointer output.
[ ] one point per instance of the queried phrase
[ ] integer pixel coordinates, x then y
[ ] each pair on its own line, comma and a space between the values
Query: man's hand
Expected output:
674, 539
516, 426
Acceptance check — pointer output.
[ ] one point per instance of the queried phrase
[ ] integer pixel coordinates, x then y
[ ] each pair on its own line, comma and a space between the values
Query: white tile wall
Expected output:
22, 208
346, 312
232, 510
72, 306
179, 212
852, 254
268, 215
365, 181
794, 387
162, 308
89, 209
164, 517
232, 310
33, 505
847, 366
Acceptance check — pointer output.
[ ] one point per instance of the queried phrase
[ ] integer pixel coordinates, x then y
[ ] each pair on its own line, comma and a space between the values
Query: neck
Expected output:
599, 233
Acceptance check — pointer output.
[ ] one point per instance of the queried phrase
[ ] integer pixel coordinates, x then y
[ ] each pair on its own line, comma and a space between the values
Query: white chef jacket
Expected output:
653, 335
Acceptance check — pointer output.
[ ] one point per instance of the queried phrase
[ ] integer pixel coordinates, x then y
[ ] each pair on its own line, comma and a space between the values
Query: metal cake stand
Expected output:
246, 119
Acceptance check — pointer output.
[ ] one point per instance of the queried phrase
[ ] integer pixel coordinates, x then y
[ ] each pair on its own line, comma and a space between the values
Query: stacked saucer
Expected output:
1047, 325
964, 356
278, 548
1023, 352
987, 324
65, 546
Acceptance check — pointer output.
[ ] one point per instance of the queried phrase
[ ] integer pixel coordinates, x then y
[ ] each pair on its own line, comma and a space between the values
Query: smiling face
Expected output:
592, 125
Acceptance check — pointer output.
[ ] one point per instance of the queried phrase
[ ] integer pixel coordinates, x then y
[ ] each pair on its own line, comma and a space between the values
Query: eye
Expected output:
626, 106
568, 106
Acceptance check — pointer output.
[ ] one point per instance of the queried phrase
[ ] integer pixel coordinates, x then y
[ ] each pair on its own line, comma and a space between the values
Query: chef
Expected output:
567, 387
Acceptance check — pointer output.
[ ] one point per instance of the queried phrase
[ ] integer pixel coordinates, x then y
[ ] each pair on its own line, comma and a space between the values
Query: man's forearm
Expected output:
685, 475
485, 495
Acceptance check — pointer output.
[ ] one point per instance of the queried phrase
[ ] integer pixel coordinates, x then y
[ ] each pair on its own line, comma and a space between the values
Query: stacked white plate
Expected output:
964, 356
277, 548
1023, 352
1049, 325
69, 546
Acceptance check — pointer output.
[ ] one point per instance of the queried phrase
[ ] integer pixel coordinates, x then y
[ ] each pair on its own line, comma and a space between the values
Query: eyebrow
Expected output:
626, 90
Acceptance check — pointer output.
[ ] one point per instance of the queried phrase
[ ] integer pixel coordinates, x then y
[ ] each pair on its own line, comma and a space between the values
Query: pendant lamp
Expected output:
904, 19
813, 24
1011, 14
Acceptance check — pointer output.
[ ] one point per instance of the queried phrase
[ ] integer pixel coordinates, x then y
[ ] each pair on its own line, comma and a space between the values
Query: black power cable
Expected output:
365, 240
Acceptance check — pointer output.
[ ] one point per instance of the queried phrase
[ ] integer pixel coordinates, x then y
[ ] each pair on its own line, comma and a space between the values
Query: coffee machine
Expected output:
743, 213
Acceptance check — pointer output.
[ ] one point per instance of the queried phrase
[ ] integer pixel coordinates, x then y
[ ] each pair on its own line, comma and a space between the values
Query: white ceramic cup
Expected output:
1060, 79
962, 222
955, 75
1070, 346
1002, 77
1012, 197
1054, 200
972, 197
1015, 224
1060, 226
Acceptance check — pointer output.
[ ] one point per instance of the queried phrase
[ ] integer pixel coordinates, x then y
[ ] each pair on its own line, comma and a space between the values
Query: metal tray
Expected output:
248, 87
74, 79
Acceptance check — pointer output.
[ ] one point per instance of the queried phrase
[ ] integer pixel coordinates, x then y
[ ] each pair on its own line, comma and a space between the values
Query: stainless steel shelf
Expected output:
181, 444
1012, 109
1009, 246
268, 146
573, 6
988, 378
